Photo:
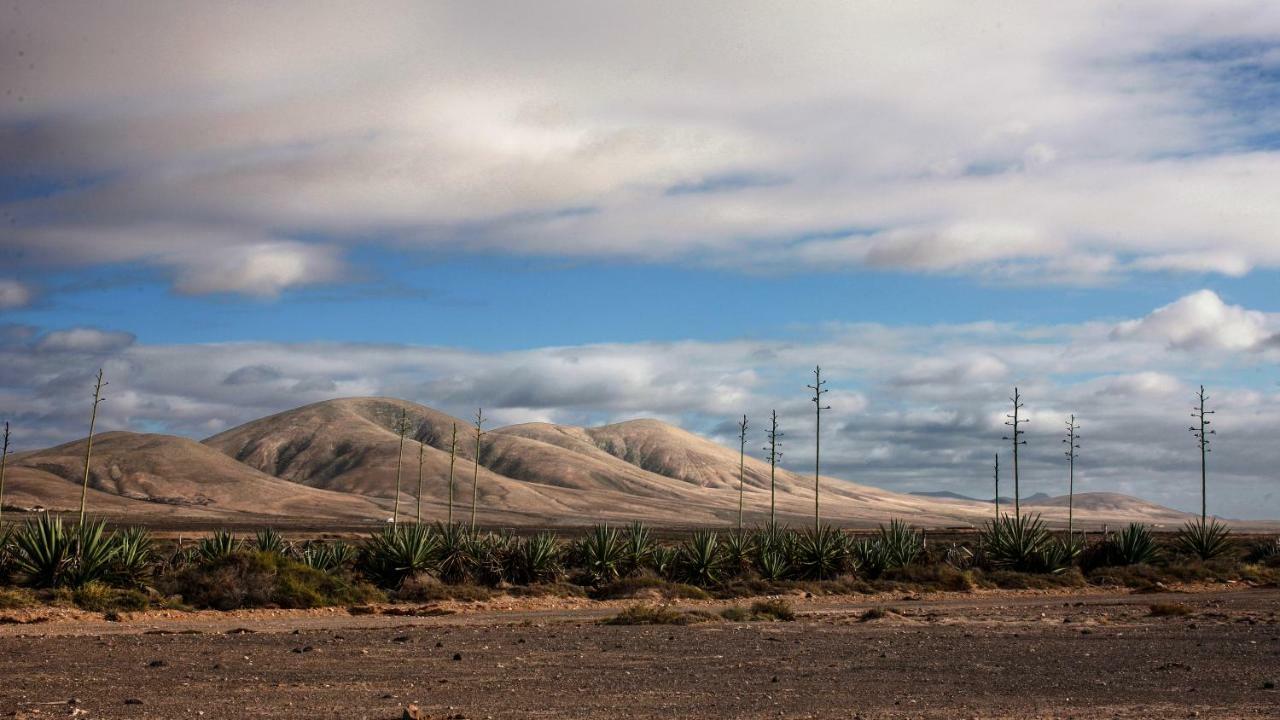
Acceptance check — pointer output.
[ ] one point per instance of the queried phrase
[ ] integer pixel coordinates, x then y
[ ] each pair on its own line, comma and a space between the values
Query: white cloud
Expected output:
1013, 139
14, 294
1202, 321
83, 340
912, 407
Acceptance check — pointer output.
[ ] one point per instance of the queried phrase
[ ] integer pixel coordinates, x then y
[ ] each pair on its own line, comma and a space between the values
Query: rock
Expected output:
132, 701
457, 657
157, 664
412, 713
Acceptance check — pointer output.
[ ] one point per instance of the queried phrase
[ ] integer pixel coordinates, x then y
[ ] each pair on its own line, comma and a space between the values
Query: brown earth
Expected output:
1082, 654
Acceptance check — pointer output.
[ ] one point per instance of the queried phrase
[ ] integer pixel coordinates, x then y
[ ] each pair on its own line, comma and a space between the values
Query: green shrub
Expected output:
268, 540
134, 554
219, 545
821, 553
100, 597
702, 558
394, 553
900, 544
602, 554
1204, 540
638, 548
254, 579
1015, 543
1134, 545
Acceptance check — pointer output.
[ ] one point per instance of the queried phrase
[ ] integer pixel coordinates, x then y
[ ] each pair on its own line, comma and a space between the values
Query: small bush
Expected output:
14, 598
646, 585
424, 588
876, 613
99, 597
247, 580
933, 577
1169, 610
775, 609
656, 615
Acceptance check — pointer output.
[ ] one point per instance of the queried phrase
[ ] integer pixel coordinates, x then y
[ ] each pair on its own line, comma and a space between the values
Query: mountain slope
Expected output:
130, 469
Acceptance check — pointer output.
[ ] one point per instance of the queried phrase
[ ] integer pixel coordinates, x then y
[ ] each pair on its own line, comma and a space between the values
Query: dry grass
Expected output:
657, 615
1169, 610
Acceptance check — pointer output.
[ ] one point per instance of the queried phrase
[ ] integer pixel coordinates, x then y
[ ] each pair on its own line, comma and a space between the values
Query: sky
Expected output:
588, 212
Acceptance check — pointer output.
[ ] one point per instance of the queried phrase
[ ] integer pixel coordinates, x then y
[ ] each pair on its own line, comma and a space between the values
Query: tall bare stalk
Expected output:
422, 448
88, 448
475, 478
818, 392
742, 464
1015, 435
453, 456
4, 457
1202, 432
402, 427
774, 456
1073, 444
997, 487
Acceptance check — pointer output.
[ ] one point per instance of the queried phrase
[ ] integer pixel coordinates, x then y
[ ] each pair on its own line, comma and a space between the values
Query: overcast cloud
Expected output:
248, 148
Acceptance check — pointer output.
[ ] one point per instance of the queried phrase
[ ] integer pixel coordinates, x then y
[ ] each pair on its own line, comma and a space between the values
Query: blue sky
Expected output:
588, 213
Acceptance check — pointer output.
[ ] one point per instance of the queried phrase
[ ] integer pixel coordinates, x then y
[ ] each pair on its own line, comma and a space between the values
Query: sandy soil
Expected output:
1006, 655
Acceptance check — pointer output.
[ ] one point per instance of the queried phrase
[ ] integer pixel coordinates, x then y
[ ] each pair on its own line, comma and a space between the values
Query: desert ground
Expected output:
1212, 652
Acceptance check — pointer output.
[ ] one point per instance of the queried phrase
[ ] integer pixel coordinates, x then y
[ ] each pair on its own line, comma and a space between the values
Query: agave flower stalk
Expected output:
402, 427
453, 456
88, 448
818, 407
4, 457
422, 447
775, 455
1202, 432
475, 476
997, 486
1015, 421
1073, 444
742, 463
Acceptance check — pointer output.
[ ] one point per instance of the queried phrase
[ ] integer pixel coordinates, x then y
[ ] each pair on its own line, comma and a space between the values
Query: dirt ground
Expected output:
1082, 654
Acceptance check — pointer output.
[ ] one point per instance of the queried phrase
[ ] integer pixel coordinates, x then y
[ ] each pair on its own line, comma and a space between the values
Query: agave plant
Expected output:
43, 551
535, 559
221, 544
490, 554
1266, 551
701, 558
638, 547
269, 541
395, 553
1133, 545
867, 557
6, 553
772, 565
602, 553
738, 552
92, 554
456, 559
1205, 539
329, 557
822, 552
133, 556
900, 544
1017, 542
663, 560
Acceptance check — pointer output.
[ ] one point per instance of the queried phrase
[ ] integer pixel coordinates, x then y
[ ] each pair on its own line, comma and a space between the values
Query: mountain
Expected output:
149, 474
338, 459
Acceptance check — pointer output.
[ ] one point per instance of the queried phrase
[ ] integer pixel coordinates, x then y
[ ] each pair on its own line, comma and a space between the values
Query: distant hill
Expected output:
338, 458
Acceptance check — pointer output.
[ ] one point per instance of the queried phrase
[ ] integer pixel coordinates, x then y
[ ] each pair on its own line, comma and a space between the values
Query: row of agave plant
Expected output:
47, 553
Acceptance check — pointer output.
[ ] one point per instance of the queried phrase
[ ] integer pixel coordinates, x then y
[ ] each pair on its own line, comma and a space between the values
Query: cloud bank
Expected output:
914, 408
252, 150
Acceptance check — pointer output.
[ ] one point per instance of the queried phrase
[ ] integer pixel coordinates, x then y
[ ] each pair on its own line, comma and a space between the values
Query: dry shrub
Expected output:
641, 586
657, 615
247, 580
1170, 610
425, 588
